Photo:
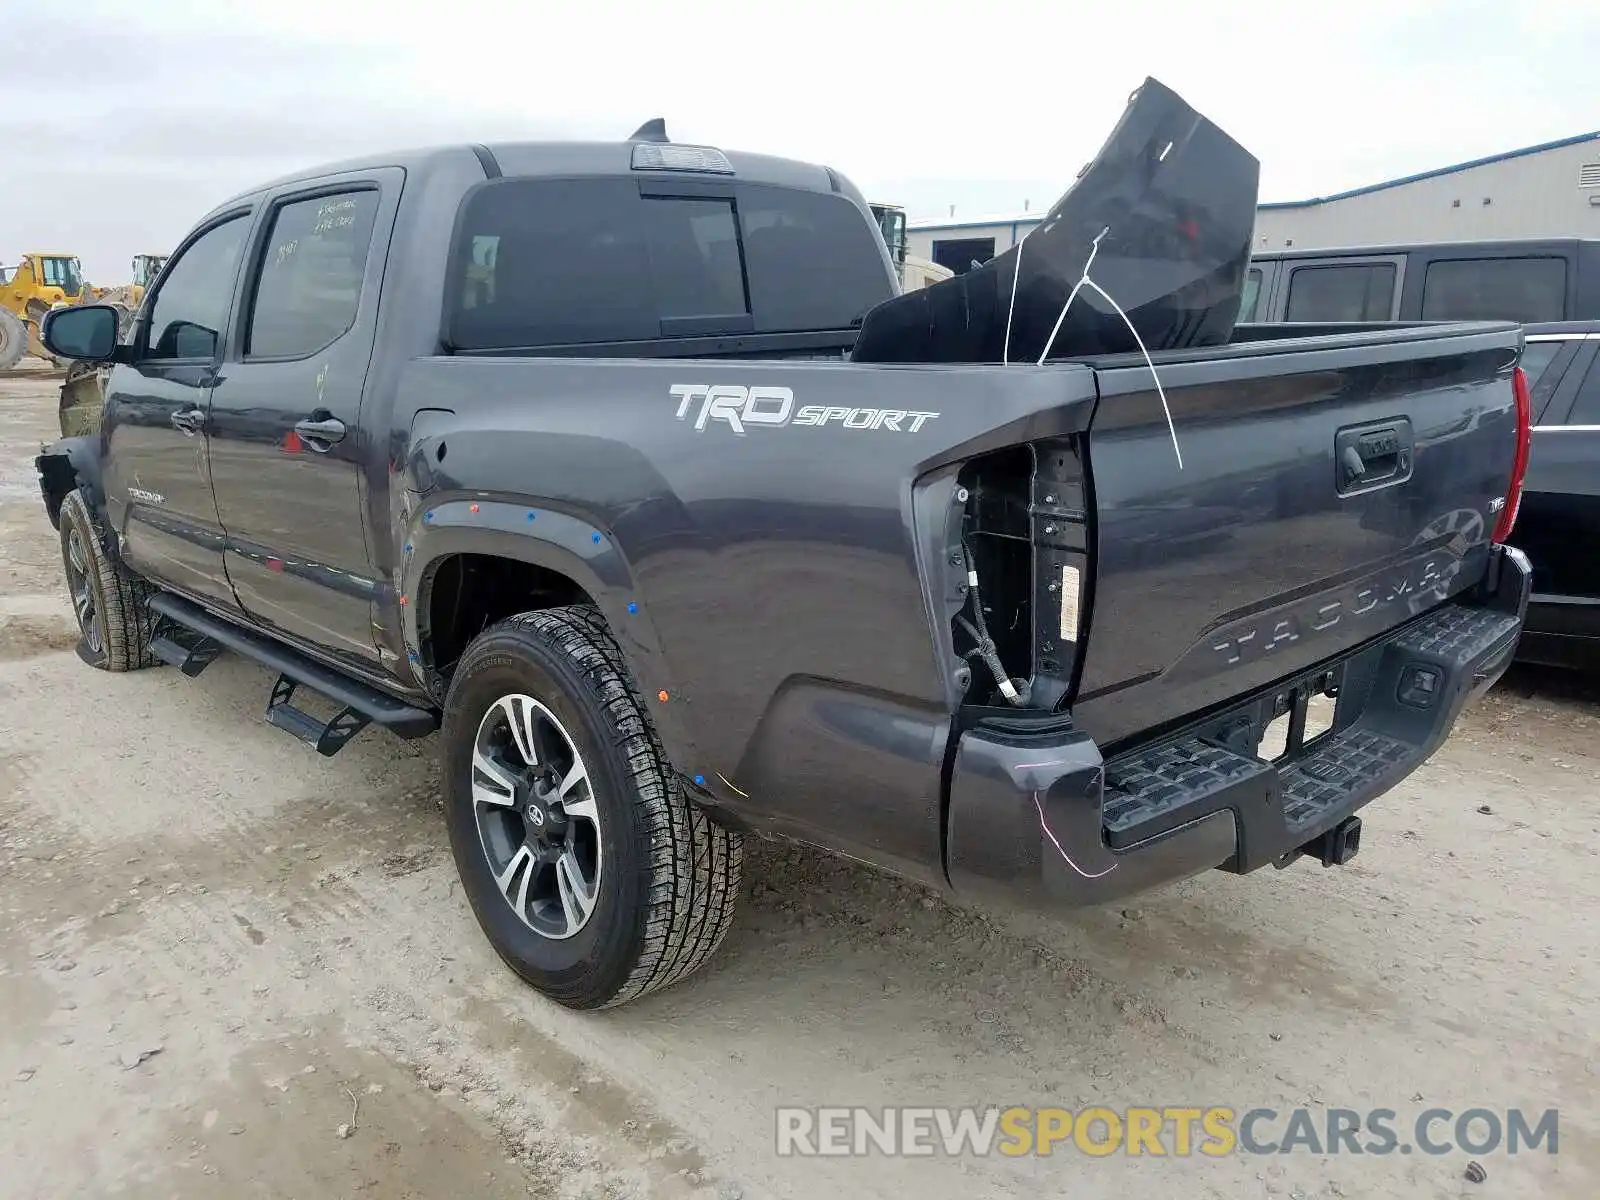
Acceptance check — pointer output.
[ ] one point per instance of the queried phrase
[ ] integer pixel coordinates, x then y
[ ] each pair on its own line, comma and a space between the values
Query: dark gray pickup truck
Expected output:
626, 468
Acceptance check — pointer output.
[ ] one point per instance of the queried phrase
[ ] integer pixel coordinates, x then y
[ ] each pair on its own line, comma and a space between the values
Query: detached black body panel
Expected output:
1161, 220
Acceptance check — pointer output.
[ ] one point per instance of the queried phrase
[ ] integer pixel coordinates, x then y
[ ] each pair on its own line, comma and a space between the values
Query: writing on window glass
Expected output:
336, 214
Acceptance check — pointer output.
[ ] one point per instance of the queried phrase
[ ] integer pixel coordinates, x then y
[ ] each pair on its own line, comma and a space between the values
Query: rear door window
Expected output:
311, 273
579, 261
1495, 289
1357, 292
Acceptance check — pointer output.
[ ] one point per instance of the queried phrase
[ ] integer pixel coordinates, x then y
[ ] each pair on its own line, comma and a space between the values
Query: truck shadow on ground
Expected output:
1529, 681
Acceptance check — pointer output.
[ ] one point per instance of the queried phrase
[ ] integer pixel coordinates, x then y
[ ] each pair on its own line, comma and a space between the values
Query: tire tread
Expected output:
695, 864
126, 621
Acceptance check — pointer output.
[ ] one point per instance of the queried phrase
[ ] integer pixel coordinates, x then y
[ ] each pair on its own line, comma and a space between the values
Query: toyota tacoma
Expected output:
627, 469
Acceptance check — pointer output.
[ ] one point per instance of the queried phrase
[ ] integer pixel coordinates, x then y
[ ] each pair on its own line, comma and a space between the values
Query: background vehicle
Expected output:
28, 290
913, 270
1554, 280
617, 507
1559, 527
127, 296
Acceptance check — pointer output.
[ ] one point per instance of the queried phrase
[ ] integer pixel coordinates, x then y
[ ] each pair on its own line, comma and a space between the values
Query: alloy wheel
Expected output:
534, 803
80, 585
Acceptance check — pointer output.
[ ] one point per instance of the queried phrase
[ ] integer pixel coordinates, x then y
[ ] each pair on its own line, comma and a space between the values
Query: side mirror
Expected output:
87, 332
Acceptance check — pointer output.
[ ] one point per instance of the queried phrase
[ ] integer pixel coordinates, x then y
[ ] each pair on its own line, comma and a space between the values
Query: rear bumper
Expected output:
1038, 817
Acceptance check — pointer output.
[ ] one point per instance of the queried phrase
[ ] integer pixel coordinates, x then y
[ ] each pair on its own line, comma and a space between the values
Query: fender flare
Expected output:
560, 542
70, 463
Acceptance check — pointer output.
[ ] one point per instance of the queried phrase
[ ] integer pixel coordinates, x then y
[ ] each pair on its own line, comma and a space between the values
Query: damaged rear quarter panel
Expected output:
759, 515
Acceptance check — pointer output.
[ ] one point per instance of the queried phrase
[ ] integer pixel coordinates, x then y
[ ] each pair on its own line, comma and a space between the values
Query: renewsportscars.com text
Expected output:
1169, 1131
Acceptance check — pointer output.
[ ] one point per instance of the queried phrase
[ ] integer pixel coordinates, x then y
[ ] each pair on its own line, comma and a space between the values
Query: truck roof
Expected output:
551, 158
1429, 248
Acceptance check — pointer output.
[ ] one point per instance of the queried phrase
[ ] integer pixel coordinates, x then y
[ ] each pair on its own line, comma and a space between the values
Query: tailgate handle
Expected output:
1374, 455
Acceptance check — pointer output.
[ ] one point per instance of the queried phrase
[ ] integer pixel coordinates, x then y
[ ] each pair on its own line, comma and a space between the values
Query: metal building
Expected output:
1546, 191
958, 244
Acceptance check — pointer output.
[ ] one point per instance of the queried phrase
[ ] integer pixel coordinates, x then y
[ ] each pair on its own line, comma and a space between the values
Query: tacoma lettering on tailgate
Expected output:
1424, 581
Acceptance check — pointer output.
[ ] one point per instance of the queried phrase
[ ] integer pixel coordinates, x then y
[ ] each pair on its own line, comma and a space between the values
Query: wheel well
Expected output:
469, 592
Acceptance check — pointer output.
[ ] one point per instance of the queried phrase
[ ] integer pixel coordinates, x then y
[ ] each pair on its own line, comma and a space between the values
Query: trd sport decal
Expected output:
738, 407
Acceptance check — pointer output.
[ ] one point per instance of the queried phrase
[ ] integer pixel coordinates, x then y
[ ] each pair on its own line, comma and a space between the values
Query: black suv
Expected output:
1559, 526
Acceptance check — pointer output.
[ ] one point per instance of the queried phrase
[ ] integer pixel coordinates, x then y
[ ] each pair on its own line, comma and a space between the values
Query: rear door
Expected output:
286, 444
158, 485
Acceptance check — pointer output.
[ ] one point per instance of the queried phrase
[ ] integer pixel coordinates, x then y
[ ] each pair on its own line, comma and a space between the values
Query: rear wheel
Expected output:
110, 602
590, 872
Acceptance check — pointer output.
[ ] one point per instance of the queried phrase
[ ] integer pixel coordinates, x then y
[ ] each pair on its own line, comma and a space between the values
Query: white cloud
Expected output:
156, 111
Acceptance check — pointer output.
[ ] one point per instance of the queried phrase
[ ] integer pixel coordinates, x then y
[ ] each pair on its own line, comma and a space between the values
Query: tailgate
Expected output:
1332, 488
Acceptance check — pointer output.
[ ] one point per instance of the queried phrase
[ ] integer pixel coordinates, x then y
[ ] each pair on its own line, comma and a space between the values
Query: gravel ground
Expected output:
229, 968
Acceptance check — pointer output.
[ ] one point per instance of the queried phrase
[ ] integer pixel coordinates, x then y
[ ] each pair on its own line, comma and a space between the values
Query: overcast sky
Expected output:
160, 109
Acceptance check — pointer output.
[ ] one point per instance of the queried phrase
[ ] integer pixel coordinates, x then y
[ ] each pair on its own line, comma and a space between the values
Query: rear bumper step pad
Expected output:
1396, 703
1040, 817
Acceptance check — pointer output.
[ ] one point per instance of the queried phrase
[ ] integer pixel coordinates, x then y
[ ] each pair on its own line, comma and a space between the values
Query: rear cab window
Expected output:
1353, 292
563, 262
1495, 289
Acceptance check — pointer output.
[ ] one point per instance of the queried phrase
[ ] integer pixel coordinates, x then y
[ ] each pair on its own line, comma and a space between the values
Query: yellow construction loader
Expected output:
130, 295
39, 282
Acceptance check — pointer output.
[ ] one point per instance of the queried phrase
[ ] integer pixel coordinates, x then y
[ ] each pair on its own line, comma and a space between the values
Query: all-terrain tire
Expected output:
13, 340
666, 895
112, 604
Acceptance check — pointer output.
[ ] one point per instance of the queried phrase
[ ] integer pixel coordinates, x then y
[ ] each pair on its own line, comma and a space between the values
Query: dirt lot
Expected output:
216, 950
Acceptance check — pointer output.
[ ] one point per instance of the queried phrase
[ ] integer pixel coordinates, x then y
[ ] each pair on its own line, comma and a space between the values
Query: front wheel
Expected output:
110, 602
590, 872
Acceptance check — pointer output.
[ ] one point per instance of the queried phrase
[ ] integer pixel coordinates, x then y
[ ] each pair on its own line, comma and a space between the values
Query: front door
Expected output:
158, 489
286, 445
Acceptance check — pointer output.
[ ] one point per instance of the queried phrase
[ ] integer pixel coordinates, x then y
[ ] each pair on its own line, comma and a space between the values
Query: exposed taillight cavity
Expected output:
1023, 545
1519, 466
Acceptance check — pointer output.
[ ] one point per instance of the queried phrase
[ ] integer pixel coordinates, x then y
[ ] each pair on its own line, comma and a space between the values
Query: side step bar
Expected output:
190, 639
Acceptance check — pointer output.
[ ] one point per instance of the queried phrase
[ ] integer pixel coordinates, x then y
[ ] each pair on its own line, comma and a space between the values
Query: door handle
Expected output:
190, 421
326, 432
